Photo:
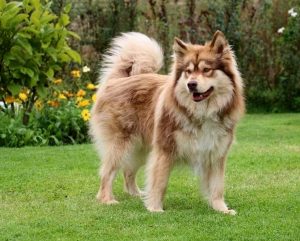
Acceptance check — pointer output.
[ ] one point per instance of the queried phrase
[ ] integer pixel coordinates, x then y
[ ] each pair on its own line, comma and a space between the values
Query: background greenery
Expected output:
268, 58
48, 193
51, 54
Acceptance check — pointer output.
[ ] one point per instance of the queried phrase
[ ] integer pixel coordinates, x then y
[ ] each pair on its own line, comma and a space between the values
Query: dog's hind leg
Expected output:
129, 178
111, 163
132, 163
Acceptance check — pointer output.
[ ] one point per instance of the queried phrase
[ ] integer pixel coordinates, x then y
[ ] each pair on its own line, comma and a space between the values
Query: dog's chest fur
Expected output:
207, 143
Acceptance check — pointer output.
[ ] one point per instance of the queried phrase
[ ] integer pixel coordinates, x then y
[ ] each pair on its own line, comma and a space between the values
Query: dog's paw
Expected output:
135, 193
108, 201
155, 210
230, 212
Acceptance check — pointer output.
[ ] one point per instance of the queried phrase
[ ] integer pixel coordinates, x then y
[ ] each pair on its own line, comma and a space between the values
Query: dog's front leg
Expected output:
158, 171
213, 185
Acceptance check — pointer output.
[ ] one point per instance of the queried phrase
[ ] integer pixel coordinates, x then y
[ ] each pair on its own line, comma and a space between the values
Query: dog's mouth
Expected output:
197, 96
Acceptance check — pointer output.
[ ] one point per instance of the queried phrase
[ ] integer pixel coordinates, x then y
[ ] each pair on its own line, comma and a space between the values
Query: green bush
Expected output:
33, 47
49, 126
62, 125
289, 79
14, 134
60, 118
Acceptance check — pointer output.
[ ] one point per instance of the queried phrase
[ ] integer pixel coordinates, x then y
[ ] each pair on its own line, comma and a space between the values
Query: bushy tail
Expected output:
131, 54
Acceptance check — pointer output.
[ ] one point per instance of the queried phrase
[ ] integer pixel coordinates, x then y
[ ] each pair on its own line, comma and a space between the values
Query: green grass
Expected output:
48, 193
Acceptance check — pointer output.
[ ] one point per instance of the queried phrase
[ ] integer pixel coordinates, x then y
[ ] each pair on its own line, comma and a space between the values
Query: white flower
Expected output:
280, 30
292, 12
86, 69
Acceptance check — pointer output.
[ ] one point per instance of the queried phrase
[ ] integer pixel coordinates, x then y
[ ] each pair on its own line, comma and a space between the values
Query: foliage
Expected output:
58, 119
14, 134
265, 56
35, 46
41, 75
50, 126
289, 79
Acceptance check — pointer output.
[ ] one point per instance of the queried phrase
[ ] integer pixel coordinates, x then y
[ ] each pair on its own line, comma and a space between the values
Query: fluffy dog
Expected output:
187, 115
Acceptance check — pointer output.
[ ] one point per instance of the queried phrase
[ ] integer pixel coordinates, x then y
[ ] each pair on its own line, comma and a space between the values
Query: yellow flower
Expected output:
9, 99
78, 99
91, 86
81, 93
57, 81
53, 103
23, 97
38, 104
85, 114
94, 97
62, 97
83, 103
75, 73
67, 93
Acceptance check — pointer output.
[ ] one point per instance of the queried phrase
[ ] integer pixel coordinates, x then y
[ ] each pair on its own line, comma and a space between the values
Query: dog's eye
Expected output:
188, 71
205, 70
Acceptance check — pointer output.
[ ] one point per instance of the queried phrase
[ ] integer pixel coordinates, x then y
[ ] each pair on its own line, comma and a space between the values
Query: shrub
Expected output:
60, 118
35, 46
289, 79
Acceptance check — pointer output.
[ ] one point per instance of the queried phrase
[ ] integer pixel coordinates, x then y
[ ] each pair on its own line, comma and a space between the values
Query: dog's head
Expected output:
205, 74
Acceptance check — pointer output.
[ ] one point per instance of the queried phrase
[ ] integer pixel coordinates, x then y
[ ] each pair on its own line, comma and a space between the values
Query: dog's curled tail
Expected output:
131, 54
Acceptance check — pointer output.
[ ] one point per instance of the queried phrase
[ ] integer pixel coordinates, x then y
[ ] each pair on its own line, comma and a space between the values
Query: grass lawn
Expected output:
48, 193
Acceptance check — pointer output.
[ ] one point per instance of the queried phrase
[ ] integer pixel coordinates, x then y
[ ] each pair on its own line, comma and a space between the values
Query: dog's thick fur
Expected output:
138, 112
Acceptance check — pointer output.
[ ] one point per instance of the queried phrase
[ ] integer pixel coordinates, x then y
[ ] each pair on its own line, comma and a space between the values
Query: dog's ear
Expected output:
219, 42
179, 47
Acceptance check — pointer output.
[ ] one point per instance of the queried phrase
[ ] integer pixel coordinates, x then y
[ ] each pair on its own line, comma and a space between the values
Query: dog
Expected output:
188, 115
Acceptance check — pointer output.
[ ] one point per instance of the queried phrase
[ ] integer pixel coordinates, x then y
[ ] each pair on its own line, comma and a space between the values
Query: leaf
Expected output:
42, 91
67, 8
27, 71
45, 45
2, 4
64, 57
36, 3
74, 55
24, 43
46, 18
64, 20
35, 18
50, 73
28, 135
31, 30
56, 141
52, 53
11, 11
14, 88
19, 19
73, 34
33, 81
16, 53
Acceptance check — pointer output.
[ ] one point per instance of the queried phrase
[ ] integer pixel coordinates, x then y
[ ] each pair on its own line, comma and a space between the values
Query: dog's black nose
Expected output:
192, 85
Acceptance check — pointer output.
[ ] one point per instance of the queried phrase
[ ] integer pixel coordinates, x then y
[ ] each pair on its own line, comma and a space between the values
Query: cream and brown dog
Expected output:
189, 115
